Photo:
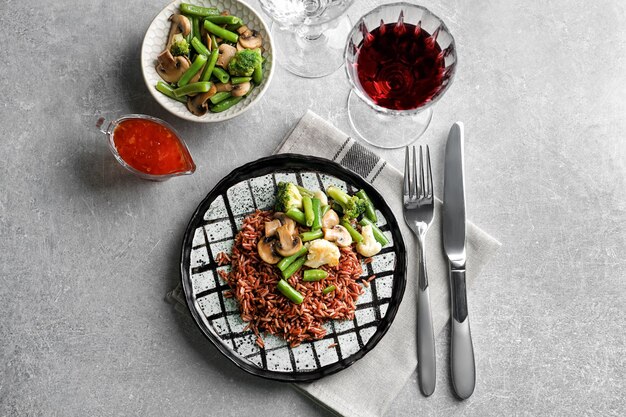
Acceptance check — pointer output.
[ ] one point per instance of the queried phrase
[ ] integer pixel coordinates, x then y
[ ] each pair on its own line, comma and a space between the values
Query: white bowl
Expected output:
154, 43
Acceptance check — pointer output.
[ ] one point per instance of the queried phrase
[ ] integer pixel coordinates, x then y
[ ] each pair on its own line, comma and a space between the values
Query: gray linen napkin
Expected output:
382, 373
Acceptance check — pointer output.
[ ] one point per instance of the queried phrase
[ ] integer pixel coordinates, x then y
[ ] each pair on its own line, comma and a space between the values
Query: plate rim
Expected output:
275, 163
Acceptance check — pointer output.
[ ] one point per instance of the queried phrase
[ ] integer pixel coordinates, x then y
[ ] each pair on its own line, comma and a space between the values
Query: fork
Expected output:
419, 207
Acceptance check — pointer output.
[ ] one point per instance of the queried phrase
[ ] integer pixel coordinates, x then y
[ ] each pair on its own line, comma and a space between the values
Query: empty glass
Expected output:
400, 59
309, 35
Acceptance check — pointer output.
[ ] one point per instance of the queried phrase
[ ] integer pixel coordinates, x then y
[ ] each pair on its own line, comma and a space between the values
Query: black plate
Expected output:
211, 230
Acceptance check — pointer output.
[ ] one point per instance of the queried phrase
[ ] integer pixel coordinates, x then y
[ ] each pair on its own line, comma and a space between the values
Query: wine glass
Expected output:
400, 59
309, 34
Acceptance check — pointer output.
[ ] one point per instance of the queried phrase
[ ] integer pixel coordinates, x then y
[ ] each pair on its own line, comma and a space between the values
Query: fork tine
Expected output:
422, 169
430, 174
406, 187
415, 186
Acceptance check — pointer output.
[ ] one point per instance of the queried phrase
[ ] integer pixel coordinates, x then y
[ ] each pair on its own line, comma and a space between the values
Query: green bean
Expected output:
208, 68
200, 48
378, 234
195, 25
312, 235
240, 80
234, 26
290, 292
221, 32
317, 214
296, 215
325, 209
305, 191
167, 89
257, 75
294, 267
314, 275
221, 75
219, 97
189, 9
370, 211
226, 104
285, 262
329, 289
197, 65
199, 87
308, 210
356, 236
225, 20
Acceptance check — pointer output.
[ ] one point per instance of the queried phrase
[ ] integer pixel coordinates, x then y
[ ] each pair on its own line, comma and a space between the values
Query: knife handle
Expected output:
426, 368
462, 366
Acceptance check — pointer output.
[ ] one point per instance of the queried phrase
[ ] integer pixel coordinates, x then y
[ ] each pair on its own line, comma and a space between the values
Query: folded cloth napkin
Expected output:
382, 373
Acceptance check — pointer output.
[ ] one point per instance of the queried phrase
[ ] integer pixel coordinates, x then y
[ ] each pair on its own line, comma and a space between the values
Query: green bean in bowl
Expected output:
210, 60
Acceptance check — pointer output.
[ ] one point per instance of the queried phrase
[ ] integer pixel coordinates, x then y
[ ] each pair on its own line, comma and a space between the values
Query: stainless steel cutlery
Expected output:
419, 199
462, 367
419, 208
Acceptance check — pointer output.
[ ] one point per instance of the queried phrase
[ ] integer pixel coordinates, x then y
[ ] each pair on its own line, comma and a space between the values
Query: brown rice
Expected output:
253, 284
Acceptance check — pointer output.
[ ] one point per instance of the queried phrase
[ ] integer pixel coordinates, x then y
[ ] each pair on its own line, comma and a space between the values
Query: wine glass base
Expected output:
312, 51
382, 130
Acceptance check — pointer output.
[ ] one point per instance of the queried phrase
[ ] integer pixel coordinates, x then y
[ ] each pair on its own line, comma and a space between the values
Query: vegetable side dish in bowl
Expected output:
207, 60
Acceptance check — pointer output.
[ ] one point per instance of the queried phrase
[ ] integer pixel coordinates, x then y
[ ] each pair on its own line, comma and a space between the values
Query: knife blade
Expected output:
462, 366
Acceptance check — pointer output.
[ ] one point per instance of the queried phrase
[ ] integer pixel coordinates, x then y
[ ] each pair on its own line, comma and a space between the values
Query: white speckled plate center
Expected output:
212, 230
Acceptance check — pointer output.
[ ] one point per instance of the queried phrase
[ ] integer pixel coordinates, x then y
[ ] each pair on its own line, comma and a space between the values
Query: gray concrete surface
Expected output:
88, 251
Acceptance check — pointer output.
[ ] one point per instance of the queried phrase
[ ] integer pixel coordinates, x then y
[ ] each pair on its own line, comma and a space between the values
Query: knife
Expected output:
462, 367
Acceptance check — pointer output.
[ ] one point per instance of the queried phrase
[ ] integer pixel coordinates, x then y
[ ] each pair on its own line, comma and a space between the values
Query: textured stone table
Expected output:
88, 251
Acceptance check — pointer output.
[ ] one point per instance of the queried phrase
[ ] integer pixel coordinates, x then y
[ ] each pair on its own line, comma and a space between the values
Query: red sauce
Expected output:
151, 148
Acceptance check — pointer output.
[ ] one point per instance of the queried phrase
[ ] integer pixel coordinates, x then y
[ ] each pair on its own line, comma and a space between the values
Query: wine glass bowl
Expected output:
309, 34
304, 12
400, 59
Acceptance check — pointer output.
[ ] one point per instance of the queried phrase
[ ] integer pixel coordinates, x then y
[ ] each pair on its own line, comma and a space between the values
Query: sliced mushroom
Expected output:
330, 219
241, 89
171, 68
286, 221
339, 235
226, 53
243, 29
288, 243
267, 250
251, 39
224, 87
180, 24
271, 226
240, 47
199, 105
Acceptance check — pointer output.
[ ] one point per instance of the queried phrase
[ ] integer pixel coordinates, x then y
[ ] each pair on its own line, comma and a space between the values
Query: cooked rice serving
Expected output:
253, 284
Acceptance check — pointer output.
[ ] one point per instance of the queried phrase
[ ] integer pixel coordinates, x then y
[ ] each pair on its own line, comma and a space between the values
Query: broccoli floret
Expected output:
179, 45
352, 206
288, 197
243, 63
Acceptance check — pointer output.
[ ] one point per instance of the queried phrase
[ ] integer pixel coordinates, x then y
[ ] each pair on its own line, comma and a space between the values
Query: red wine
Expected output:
400, 66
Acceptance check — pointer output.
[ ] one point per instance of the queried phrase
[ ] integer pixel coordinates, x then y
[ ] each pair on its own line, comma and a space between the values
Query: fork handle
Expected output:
425, 336
425, 344
462, 366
